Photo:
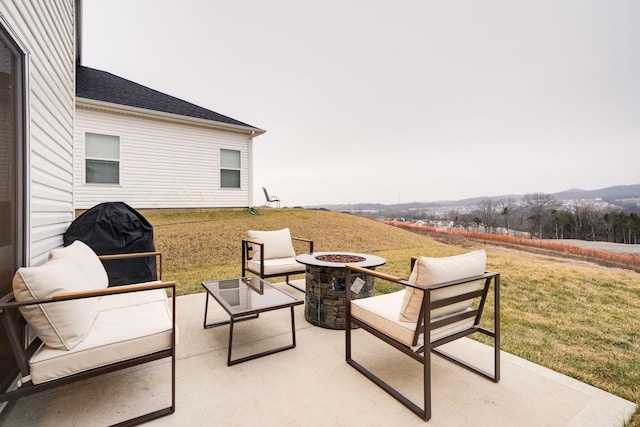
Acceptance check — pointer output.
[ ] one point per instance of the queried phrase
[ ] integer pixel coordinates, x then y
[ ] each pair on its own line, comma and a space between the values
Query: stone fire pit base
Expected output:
325, 295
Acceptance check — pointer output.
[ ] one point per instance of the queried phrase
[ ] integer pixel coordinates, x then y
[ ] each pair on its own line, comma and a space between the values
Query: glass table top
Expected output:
245, 295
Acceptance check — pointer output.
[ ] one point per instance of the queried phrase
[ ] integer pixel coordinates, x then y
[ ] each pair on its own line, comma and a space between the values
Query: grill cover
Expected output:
116, 228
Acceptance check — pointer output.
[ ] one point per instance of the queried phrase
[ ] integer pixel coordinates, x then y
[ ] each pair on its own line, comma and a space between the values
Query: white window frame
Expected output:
224, 167
104, 158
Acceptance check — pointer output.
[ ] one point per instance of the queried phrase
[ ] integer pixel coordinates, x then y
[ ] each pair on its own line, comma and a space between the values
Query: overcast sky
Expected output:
403, 101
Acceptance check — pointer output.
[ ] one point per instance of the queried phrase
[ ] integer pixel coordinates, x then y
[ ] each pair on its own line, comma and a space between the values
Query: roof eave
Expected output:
161, 115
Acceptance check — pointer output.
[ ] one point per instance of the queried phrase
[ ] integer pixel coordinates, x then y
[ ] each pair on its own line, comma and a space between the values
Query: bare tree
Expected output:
561, 218
585, 221
505, 207
488, 215
477, 221
593, 220
610, 221
538, 207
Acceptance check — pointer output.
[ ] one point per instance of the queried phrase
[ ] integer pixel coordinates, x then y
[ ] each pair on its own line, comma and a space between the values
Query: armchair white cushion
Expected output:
429, 271
86, 260
61, 325
277, 244
277, 266
381, 312
89, 263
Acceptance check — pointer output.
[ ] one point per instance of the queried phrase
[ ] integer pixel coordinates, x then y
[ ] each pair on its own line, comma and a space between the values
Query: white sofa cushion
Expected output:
115, 301
117, 334
381, 312
87, 261
63, 324
277, 244
277, 266
429, 271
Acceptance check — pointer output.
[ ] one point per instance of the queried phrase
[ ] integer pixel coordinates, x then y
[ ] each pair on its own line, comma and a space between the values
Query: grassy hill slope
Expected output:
574, 317
207, 245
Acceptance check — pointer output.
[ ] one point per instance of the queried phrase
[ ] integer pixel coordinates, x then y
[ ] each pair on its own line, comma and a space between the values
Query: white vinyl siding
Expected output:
163, 164
46, 31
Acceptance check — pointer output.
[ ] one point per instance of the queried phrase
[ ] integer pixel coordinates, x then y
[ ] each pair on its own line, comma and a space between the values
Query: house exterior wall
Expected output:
45, 31
164, 163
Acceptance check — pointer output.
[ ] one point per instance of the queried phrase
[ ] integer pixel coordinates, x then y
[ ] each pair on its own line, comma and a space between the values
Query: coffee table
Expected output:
245, 298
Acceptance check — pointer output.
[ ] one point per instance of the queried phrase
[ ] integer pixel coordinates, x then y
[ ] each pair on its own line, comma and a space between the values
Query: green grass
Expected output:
577, 318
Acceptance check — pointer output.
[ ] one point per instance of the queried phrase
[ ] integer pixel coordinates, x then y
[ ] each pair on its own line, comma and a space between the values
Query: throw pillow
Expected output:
429, 271
277, 244
64, 324
87, 261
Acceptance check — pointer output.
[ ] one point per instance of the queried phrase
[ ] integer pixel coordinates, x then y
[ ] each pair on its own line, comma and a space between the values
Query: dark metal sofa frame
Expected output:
247, 255
422, 355
14, 325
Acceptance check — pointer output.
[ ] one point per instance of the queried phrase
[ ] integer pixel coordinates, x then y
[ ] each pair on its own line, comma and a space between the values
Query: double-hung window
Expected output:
102, 159
229, 168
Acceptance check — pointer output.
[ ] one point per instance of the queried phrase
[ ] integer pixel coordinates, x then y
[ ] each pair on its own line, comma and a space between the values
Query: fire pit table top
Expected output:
340, 259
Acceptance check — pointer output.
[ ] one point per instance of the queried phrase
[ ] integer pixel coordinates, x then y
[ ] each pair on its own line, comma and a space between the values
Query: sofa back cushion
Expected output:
86, 260
61, 325
277, 244
429, 271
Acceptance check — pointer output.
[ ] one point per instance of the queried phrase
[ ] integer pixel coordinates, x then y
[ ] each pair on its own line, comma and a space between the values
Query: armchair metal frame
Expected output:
423, 354
247, 249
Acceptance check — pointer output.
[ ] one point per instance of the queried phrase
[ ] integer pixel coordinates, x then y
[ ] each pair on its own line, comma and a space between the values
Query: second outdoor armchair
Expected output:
272, 254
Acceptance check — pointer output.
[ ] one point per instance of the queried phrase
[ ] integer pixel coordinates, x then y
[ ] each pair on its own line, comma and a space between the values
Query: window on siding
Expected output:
229, 168
102, 159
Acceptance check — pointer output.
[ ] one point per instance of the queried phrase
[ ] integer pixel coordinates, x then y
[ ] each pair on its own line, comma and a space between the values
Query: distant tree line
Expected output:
545, 218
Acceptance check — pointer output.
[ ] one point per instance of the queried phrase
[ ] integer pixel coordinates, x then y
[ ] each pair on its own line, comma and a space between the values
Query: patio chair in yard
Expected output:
272, 254
270, 199
443, 301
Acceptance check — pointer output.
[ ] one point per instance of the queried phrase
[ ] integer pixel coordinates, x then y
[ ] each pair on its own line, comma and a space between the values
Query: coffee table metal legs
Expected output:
223, 322
263, 353
233, 320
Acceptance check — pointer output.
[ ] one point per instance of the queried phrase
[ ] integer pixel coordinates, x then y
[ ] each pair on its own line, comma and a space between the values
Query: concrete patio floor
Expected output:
312, 385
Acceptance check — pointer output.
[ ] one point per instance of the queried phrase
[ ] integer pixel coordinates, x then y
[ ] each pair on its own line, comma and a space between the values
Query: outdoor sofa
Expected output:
82, 327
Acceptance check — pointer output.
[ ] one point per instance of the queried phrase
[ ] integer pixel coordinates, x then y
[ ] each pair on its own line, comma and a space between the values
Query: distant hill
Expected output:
610, 193
625, 196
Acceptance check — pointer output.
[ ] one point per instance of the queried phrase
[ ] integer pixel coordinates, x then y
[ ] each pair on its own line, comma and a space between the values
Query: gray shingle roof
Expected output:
103, 86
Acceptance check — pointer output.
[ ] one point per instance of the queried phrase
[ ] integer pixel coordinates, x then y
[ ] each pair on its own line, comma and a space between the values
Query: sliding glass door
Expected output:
12, 181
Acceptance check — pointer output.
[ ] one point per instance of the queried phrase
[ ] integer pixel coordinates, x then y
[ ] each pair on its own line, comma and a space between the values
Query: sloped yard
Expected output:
575, 317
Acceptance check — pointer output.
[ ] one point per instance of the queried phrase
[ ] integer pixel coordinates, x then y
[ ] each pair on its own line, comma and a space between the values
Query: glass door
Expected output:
12, 234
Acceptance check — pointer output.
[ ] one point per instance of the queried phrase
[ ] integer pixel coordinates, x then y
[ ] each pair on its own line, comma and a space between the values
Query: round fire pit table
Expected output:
325, 287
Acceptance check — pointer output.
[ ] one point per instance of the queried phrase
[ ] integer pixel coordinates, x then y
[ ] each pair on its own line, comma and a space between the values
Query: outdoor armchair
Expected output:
272, 254
450, 293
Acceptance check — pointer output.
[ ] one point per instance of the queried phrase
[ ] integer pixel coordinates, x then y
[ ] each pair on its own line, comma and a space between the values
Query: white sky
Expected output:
404, 101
